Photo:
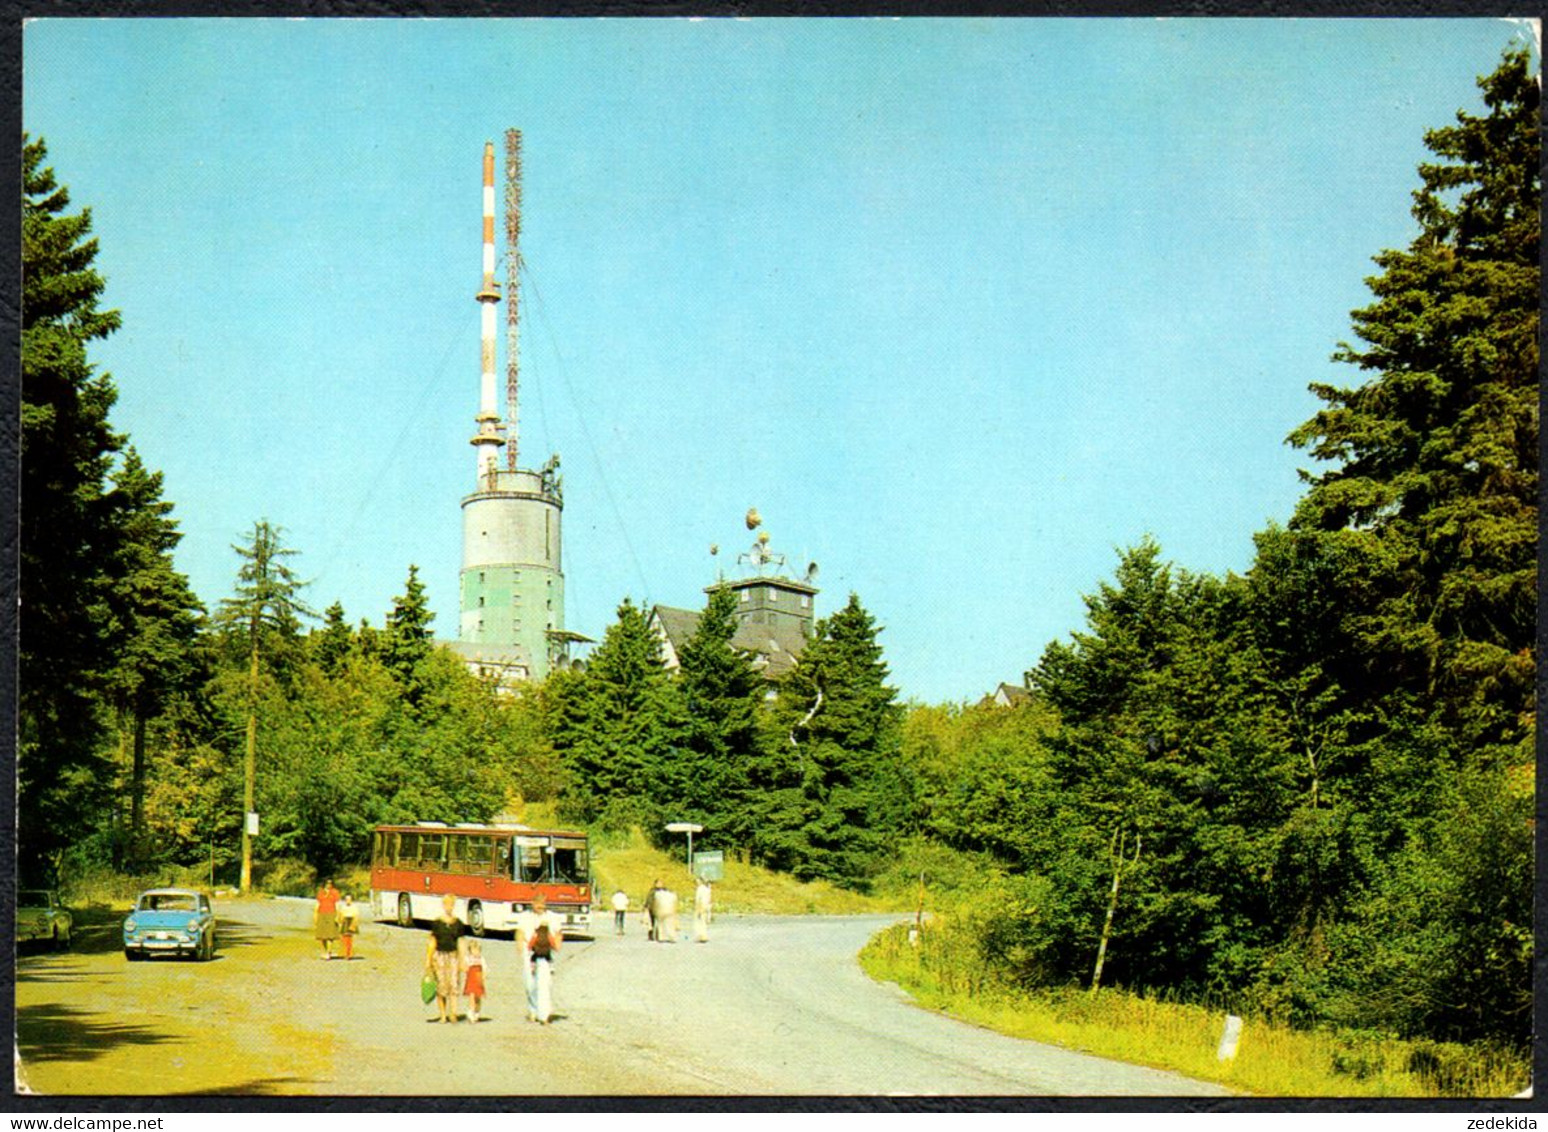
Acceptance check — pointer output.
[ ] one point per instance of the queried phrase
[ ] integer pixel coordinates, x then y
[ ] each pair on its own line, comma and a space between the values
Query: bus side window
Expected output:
503, 846
392, 849
456, 853
432, 849
480, 854
408, 851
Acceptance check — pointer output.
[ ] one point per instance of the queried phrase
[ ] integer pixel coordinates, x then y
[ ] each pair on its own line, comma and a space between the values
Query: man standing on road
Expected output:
620, 910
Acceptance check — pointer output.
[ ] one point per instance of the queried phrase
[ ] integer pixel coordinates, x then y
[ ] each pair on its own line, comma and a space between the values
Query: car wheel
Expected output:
476, 918
131, 955
405, 912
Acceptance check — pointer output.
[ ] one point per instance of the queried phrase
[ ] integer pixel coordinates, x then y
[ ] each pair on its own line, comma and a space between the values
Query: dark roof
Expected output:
678, 624
774, 647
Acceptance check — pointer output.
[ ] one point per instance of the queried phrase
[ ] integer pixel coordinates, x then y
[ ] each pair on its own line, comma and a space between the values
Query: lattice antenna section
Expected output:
512, 294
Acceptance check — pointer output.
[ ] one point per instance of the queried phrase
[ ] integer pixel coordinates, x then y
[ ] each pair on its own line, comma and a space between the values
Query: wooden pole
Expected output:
250, 769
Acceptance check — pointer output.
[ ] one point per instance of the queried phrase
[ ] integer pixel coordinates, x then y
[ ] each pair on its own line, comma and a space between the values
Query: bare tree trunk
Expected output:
1112, 904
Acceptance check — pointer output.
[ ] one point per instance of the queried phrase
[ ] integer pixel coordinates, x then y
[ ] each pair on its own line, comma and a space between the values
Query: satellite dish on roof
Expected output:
811, 572
763, 538
754, 520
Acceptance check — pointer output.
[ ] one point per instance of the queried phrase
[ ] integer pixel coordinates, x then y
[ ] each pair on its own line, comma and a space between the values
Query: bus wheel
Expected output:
405, 913
476, 918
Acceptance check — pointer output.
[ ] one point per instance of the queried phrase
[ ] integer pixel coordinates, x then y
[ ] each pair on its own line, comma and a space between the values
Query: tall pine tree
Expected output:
1435, 457
67, 536
155, 616
265, 614
721, 692
833, 792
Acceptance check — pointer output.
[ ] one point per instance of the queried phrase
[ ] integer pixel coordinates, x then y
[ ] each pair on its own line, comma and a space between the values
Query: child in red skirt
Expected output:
473, 980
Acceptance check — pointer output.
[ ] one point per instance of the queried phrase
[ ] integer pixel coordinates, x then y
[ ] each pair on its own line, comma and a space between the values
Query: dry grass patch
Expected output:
1272, 1059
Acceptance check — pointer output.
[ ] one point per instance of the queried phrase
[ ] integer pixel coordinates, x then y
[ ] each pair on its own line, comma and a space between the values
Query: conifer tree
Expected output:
408, 637
833, 791
266, 614
155, 615
721, 691
67, 445
332, 643
622, 727
1435, 457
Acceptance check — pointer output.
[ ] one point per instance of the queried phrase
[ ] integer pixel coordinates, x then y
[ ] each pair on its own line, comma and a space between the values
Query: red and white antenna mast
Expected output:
487, 439
512, 294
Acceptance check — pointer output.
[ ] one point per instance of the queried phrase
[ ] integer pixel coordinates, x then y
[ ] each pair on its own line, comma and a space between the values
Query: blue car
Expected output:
170, 921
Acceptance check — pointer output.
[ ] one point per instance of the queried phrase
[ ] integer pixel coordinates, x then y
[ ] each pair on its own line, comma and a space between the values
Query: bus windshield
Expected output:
559, 860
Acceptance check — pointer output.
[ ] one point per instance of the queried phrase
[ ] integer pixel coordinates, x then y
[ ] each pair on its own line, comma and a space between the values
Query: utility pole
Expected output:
250, 769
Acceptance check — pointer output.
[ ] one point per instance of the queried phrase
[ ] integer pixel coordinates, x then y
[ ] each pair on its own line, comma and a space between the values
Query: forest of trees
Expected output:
1314, 779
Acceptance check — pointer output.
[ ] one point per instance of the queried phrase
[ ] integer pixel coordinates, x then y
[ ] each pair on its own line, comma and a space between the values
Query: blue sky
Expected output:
963, 307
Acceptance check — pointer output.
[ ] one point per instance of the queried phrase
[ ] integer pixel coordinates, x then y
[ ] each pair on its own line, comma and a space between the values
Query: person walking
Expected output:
325, 920
349, 924
620, 910
665, 901
537, 958
443, 957
473, 979
650, 916
702, 899
544, 946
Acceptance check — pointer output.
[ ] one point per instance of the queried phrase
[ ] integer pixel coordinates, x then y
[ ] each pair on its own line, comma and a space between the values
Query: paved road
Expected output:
769, 1006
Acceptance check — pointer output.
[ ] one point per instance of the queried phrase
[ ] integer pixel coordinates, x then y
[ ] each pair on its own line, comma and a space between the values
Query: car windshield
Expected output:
32, 899
167, 902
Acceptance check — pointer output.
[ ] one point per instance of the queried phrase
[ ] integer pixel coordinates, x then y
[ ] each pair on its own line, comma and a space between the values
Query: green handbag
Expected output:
427, 989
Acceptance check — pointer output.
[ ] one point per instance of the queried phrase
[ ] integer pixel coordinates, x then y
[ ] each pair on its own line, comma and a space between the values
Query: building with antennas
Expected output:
775, 613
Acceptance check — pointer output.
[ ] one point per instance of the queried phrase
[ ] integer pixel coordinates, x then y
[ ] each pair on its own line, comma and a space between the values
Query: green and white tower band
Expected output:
512, 581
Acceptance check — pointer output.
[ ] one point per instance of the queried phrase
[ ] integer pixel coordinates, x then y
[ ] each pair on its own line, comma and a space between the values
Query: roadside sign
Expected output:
710, 865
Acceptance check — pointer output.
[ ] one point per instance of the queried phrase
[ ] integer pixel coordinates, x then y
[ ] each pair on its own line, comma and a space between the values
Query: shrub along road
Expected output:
771, 1005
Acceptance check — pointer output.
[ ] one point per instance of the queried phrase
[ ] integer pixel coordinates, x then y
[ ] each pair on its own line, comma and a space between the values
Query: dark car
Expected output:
170, 921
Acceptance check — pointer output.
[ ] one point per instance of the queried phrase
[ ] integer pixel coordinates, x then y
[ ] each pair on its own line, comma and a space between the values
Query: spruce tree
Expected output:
833, 793
1435, 456
721, 692
408, 637
155, 615
265, 615
331, 644
623, 724
67, 536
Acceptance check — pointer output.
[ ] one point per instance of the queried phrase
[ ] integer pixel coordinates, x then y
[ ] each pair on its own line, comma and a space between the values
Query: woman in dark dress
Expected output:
443, 958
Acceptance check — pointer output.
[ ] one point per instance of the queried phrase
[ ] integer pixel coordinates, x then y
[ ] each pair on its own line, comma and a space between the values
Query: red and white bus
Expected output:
494, 871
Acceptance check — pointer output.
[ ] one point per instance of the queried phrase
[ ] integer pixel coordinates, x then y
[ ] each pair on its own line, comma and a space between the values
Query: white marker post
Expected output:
1229, 1038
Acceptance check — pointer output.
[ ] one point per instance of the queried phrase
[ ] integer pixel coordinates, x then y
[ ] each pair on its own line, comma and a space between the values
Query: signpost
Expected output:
690, 829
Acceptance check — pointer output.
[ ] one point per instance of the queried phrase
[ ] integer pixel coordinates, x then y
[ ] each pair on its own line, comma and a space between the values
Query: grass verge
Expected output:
1272, 1059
